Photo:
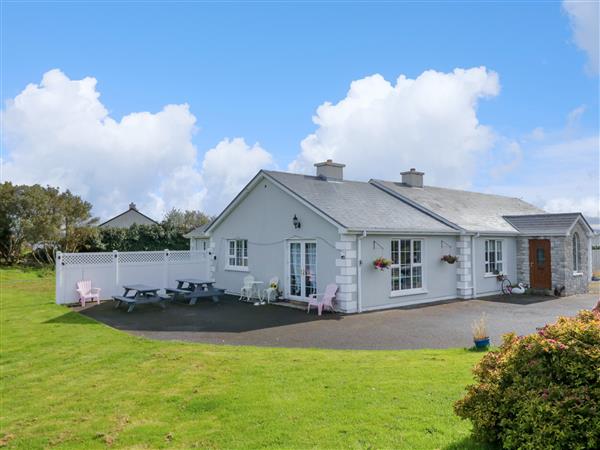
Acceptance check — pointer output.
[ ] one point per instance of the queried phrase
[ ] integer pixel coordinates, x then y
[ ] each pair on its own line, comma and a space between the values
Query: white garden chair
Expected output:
87, 292
271, 291
247, 288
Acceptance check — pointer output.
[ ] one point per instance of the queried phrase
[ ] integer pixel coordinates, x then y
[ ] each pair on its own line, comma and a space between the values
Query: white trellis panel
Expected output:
110, 271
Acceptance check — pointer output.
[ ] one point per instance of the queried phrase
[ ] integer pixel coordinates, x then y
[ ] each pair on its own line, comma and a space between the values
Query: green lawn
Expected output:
70, 382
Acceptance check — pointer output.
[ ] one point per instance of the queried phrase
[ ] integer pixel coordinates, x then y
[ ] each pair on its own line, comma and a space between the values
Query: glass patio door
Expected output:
302, 278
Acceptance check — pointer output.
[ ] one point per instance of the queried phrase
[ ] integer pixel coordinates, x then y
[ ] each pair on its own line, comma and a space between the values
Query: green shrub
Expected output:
540, 391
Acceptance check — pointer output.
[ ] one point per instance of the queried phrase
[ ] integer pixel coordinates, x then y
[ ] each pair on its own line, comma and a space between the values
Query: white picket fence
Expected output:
111, 270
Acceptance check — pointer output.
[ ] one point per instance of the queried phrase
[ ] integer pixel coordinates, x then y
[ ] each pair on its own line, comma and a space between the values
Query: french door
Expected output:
302, 269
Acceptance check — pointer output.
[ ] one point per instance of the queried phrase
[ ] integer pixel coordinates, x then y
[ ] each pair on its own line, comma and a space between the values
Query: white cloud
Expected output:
380, 129
574, 117
59, 133
229, 166
560, 176
589, 206
510, 159
585, 18
537, 134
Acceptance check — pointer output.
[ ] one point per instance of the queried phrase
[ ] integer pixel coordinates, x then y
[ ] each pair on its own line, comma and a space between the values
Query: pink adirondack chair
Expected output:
324, 300
87, 292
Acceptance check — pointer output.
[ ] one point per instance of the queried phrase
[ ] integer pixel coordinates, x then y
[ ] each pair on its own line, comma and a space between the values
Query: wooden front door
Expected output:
540, 268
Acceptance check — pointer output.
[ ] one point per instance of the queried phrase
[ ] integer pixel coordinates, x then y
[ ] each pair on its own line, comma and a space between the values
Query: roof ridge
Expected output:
449, 189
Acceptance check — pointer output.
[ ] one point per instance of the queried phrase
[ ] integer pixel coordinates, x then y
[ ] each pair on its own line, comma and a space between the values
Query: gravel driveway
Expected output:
435, 326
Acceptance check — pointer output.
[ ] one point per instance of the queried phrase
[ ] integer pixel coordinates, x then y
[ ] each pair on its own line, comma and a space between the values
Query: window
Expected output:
406, 267
493, 256
238, 253
576, 253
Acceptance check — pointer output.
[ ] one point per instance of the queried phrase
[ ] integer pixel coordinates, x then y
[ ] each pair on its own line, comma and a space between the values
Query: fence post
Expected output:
166, 268
58, 275
116, 267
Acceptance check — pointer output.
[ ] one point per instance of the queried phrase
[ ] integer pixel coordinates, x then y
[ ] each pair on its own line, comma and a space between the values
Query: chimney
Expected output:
329, 170
132, 206
413, 178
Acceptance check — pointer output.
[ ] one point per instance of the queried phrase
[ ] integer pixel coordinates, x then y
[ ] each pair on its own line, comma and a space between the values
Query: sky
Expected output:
179, 104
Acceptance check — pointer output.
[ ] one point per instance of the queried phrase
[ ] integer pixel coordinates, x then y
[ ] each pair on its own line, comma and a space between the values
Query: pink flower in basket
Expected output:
382, 263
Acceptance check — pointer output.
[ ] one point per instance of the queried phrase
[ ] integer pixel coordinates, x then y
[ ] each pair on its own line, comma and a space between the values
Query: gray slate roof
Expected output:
358, 205
544, 224
198, 232
472, 211
128, 218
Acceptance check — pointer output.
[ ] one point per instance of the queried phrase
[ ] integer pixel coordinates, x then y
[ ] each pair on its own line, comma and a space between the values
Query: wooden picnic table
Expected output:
136, 294
193, 288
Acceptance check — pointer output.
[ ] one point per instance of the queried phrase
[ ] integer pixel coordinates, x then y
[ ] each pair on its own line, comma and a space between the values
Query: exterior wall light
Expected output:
296, 222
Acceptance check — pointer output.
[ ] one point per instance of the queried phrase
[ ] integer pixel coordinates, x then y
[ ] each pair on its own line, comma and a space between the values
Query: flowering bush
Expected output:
382, 263
540, 391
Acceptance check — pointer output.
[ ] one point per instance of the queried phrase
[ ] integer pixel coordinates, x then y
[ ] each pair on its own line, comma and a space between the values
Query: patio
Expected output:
435, 326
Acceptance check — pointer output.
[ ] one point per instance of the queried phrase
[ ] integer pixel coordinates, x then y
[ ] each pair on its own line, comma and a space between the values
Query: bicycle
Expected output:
505, 284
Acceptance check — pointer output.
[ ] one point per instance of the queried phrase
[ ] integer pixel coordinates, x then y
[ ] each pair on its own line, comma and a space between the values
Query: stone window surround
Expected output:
576, 255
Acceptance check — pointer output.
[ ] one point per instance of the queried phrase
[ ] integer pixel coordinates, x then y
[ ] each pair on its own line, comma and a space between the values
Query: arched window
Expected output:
576, 253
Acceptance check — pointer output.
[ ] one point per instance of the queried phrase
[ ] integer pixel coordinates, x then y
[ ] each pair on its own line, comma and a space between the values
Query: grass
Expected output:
71, 382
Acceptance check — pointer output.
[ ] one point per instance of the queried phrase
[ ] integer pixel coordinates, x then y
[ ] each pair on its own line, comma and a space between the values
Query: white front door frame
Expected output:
304, 266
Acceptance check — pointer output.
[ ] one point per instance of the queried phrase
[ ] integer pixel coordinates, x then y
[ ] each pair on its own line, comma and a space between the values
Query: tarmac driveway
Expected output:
435, 326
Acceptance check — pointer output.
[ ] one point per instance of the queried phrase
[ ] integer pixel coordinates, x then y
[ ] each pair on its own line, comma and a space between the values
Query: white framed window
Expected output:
407, 265
576, 253
494, 263
238, 254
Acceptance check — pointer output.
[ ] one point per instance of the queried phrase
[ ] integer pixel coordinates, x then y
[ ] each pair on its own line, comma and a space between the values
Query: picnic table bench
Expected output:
137, 294
193, 289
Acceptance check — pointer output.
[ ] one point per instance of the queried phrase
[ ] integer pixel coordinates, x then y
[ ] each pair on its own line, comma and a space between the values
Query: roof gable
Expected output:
547, 224
262, 174
131, 214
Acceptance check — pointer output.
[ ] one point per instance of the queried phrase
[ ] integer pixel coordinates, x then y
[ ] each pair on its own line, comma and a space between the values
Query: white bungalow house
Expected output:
128, 218
313, 230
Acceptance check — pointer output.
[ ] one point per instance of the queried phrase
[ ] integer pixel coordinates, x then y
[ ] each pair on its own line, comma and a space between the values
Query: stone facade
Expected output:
347, 273
577, 283
464, 277
561, 249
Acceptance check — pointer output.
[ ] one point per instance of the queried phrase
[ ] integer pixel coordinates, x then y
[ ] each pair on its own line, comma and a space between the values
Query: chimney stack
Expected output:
329, 170
413, 178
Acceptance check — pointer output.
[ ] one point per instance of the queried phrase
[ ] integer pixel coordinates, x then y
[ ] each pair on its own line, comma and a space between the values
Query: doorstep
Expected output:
295, 304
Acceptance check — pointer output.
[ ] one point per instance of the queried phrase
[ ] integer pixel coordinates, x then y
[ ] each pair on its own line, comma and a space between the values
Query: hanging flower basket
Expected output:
450, 259
382, 263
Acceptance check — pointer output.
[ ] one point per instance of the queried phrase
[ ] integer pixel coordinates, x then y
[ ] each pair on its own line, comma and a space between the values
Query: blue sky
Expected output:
259, 71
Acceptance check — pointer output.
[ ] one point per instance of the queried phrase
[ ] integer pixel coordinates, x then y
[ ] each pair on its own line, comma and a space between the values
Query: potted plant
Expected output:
481, 337
450, 259
382, 263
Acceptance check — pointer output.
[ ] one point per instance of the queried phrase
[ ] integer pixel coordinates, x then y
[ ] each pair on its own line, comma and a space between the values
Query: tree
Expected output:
185, 221
41, 219
12, 235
